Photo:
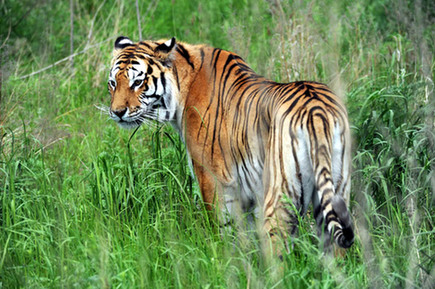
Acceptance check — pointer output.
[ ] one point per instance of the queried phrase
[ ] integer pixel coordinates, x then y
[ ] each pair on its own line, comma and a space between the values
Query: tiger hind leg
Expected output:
283, 186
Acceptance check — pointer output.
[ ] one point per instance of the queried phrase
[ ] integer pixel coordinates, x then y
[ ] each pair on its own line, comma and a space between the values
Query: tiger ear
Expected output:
121, 42
167, 46
165, 51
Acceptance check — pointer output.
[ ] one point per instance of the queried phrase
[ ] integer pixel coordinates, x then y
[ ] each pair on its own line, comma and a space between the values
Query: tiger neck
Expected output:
187, 63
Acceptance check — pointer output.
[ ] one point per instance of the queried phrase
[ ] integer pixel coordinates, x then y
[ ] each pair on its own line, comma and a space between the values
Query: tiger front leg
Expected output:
220, 200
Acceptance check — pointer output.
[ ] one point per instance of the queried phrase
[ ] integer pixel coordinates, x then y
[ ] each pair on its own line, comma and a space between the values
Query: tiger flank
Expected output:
252, 142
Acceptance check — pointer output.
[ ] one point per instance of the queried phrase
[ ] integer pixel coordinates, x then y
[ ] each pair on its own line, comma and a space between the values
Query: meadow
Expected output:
85, 204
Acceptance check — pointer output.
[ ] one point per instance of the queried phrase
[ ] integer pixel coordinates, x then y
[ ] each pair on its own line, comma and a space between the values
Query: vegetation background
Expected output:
84, 204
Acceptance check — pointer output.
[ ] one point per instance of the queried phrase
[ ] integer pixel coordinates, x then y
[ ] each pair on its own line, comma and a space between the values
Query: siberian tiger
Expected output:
253, 143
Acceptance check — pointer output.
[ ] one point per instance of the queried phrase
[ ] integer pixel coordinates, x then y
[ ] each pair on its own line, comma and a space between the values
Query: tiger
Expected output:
256, 146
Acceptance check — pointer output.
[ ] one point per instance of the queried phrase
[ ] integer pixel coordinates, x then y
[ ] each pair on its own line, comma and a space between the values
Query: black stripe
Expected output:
149, 70
176, 77
324, 203
326, 180
163, 80
119, 62
155, 83
140, 56
213, 55
330, 216
216, 60
145, 44
183, 52
333, 101
323, 170
202, 58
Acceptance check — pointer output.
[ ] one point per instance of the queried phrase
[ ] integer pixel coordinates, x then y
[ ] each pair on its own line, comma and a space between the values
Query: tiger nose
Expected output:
119, 112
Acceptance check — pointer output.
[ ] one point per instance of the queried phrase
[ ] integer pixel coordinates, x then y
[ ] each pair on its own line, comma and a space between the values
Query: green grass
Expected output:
84, 204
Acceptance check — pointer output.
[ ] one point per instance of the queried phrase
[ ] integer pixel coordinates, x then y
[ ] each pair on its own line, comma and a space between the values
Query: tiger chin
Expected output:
255, 145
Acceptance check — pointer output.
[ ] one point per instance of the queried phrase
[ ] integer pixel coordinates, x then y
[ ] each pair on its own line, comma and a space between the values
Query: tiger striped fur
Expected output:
253, 143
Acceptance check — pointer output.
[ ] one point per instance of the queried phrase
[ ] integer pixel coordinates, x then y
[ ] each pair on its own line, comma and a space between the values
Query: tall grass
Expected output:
84, 204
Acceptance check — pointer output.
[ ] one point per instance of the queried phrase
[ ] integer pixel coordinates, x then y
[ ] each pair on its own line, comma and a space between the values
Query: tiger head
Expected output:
140, 84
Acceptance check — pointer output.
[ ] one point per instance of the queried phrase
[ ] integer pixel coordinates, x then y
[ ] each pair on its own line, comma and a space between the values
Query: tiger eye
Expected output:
137, 82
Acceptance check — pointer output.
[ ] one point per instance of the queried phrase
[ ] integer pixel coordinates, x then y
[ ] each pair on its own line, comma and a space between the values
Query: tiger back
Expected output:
256, 146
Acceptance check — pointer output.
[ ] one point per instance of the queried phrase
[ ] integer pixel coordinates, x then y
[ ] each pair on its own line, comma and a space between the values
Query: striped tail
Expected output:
330, 209
343, 232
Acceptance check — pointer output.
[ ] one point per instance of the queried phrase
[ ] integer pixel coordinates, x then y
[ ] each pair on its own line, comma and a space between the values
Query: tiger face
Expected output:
139, 83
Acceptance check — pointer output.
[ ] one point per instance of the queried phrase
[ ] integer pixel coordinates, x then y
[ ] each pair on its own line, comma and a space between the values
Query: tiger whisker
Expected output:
103, 108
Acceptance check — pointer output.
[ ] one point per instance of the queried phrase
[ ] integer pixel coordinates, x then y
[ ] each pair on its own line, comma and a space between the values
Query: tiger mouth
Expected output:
151, 115
147, 117
129, 124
